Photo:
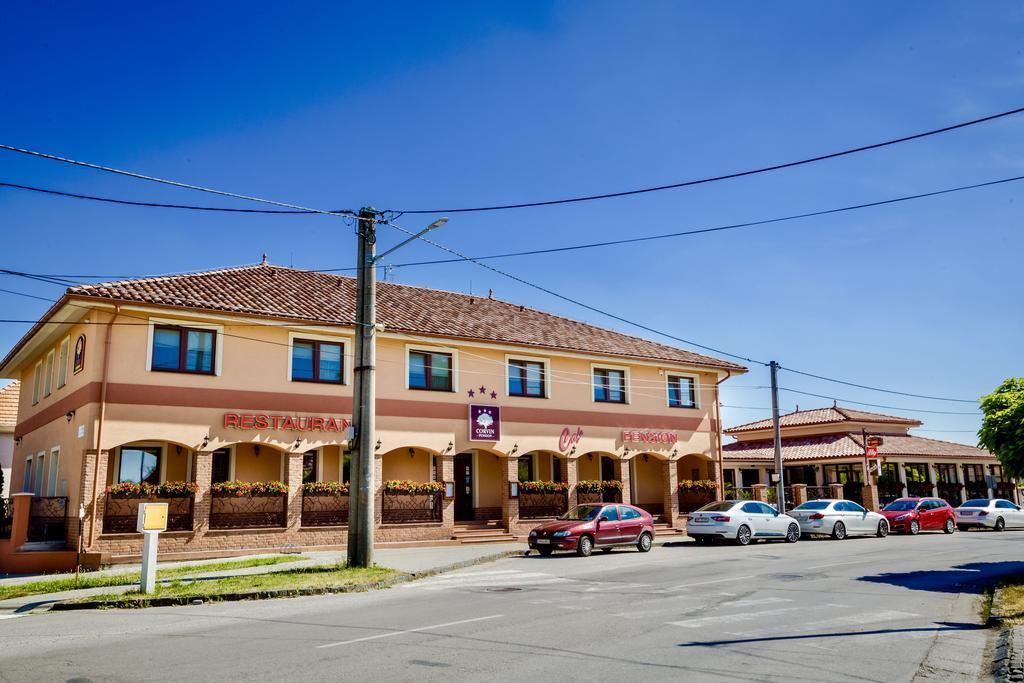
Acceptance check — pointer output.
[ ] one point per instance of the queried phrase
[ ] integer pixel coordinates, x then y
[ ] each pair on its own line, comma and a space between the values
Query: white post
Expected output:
149, 545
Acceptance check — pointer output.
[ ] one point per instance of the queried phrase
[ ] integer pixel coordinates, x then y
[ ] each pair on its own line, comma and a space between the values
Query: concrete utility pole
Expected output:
361, 488
361, 511
780, 486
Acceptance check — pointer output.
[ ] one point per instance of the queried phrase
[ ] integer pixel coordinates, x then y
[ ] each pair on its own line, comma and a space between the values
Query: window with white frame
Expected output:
51, 481
26, 476
38, 481
682, 391
36, 382
48, 375
527, 377
62, 371
430, 370
314, 360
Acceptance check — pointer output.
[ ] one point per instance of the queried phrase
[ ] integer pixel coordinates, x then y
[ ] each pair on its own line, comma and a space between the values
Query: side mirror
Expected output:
776, 513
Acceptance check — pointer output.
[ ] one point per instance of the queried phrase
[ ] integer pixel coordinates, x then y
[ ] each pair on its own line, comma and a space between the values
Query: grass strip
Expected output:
1010, 597
301, 581
68, 582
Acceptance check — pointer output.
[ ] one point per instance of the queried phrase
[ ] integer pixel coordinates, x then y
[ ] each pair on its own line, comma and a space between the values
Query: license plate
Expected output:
698, 520
966, 514
543, 541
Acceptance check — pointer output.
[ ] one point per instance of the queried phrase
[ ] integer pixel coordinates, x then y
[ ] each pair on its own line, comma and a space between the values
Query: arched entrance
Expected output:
647, 479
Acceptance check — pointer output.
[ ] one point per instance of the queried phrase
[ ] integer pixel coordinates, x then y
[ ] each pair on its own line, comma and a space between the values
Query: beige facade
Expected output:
88, 423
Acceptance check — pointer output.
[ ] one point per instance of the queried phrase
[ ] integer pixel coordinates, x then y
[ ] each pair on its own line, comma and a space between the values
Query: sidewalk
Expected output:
411, 560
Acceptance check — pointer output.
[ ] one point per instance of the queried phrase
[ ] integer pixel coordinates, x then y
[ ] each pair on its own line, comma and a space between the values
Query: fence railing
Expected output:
48, 519
690, 500
120, 515
228, 511
324, 509
536, 505
402, 508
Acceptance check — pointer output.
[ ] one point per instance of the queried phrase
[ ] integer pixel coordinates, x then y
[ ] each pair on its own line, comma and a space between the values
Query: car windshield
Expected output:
719, 506
814, 505
901, 505
976, 503
582, 513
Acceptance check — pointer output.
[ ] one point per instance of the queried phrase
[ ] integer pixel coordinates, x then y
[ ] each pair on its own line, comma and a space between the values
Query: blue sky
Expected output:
422, 105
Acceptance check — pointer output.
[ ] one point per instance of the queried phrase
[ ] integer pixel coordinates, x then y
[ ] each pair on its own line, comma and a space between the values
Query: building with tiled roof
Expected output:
246, 375
8, 418
823, 446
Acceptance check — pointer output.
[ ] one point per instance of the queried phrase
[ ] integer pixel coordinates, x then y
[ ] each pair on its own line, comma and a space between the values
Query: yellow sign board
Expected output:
152, 517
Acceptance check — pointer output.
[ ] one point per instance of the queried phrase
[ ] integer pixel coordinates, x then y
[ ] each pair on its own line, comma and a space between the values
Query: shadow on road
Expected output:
940, 626
972, 577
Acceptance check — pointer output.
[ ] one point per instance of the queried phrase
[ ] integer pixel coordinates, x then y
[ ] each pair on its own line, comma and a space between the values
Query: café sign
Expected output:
289, 423
649, 436
484, 423
569, 438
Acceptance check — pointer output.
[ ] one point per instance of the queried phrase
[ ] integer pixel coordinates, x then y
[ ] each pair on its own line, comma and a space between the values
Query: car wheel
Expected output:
644, 543
585, 546
961, 527
915, 528
545, 550
883, 529
793, 534
743, 536
950, 526
1000, 524
839, 531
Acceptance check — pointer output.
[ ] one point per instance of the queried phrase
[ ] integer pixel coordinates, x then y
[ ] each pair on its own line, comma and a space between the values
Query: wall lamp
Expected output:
206, 441
377, 447
17, 441
515, 448
298, 442
256, 450
451, 445
412, 453
70, 415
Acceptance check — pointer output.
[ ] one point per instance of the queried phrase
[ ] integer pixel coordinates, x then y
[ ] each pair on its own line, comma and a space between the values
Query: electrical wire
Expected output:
876, 405
884, 391
728, 176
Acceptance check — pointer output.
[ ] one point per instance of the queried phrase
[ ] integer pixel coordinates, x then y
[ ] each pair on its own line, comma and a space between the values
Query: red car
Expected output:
913, 515
602, 525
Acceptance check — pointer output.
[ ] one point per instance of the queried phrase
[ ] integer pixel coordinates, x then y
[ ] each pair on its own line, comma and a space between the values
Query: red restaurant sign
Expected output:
646, 436
569, 438
307, 423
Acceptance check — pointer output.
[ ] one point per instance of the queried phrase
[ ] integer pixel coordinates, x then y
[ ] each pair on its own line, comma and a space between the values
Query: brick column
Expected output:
622, 474
509, 505
670, 491
835, 490
570, 475
93, 470
870, 496
760, 492
447, 473
202, 475
378, 489
799, 494
293, 477
716, 475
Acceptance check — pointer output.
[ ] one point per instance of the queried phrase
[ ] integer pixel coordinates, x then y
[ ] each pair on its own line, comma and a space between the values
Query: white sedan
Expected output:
839, 519
742, 521
990, 513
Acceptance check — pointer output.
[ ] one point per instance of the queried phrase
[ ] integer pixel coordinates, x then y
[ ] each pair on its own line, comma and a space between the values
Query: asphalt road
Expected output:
865, 609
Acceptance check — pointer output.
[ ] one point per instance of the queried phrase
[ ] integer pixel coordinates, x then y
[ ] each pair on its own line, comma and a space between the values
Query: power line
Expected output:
159, 205
884, 391
876, 405
728, 176
199, 188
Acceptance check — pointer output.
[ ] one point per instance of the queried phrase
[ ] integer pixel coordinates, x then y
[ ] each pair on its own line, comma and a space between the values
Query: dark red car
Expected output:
914, 515
602, 525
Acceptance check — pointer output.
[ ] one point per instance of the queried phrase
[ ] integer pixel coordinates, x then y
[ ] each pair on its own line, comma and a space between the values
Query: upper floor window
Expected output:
609, 385
430, 371
62, 371
139, 464
526, 378
48, 375
317, 361
183, 349
681, 392
36, 382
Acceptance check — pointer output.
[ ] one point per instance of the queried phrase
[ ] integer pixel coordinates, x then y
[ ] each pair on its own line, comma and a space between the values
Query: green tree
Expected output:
1002, 429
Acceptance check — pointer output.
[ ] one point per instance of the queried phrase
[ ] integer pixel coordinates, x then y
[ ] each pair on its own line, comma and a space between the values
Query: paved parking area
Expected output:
894, 609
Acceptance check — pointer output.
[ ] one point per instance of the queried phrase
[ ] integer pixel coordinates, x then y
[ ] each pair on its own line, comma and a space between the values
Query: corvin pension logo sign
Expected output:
484, 423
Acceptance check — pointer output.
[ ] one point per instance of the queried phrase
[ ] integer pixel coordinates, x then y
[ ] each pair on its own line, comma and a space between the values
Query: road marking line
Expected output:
731, 618
10, 616
409, 630
705, 583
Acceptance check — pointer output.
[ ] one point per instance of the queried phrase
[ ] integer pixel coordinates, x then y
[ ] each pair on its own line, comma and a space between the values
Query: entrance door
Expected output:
464, 486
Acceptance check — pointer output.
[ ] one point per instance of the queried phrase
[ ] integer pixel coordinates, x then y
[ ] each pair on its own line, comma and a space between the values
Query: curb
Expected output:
1008, 651
65, 606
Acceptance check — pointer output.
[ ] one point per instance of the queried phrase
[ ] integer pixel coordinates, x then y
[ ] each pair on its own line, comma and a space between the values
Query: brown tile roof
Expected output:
9, 406
820, 416
286, 293
846, 445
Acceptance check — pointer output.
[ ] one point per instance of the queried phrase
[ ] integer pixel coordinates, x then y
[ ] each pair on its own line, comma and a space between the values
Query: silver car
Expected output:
989, 513
839, 519
742, 521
